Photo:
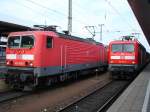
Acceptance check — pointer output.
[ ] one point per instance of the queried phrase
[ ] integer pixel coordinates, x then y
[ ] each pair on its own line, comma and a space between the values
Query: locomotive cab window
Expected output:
21, 42
128, 48
27, 42
14, 42
116, 48
49, 42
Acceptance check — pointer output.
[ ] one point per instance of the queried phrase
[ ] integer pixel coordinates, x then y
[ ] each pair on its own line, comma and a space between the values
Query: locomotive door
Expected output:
63, 58
101, 57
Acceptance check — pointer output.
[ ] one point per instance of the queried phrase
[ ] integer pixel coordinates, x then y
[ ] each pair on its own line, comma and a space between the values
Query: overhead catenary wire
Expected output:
130, 27
37, 12
55, 11
121, 17
50, 9
45, 13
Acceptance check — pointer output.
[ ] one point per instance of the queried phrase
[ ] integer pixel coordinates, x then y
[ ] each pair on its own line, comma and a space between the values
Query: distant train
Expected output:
36, 58
126, 57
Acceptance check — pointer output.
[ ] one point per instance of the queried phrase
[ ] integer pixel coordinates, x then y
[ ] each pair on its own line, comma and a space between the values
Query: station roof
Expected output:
6, 28
141, 10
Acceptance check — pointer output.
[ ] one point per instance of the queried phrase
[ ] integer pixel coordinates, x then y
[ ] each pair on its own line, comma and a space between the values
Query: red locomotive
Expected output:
126, 57
44, 57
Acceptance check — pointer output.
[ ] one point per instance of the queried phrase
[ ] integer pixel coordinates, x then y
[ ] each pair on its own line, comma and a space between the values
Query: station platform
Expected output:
136, 98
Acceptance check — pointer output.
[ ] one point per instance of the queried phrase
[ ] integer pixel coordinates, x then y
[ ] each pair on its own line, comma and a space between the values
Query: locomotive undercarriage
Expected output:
20, 79
123, 75
119, 71
27, 80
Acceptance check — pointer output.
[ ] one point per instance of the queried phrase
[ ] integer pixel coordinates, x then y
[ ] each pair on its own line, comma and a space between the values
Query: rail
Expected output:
98, 100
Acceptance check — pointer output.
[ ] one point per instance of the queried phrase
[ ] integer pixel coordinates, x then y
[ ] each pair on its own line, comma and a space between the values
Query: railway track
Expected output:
99, 100
10, 95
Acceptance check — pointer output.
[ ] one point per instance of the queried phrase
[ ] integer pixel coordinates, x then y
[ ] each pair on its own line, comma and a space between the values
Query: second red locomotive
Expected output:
44, 57
126, 57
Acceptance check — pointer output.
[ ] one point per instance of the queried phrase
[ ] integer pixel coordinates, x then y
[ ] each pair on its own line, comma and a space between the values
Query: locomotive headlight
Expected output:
133, 62
7, 63
31, 64
111, 61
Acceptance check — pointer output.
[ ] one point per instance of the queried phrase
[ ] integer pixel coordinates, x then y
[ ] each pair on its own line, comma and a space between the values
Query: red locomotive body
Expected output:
35, 57
125, 57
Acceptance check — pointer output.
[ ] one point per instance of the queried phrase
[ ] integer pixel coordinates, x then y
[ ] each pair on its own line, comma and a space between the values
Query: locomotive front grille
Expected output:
119, 67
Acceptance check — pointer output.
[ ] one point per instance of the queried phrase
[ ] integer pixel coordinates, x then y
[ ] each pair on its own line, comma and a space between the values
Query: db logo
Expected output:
19, 56
121, 57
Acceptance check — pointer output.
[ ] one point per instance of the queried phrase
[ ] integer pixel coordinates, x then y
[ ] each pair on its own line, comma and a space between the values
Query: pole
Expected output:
70, 17
101, 31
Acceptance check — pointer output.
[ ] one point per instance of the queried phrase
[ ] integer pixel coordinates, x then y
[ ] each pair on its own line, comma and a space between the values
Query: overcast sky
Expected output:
116, 15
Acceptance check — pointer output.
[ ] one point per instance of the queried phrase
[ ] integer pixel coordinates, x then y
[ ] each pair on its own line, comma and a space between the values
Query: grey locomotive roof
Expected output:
88, 40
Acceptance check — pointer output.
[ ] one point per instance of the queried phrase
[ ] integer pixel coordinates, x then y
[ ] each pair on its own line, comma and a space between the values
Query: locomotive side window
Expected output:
27, 42
49, 42
14, 42
128, 48
116, 48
